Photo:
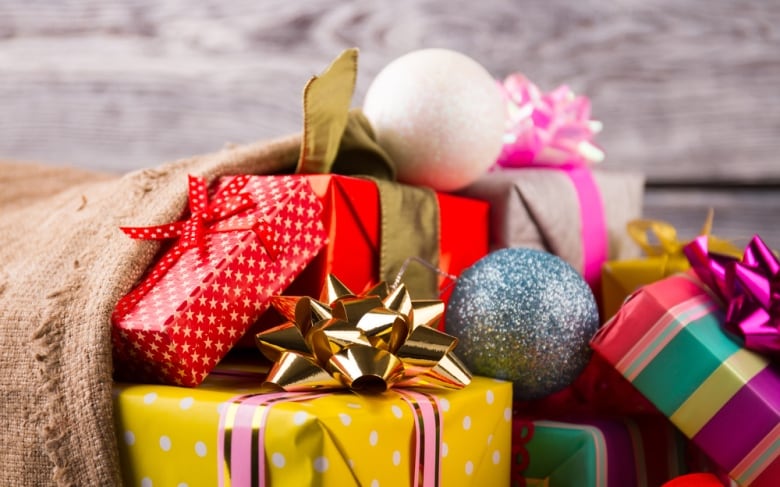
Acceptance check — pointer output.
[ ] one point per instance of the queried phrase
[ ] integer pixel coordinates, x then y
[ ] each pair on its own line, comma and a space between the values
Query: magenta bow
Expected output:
551, 128
750, 288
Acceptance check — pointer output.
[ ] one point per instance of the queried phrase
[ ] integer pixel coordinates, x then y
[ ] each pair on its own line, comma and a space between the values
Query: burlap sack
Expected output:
63, 266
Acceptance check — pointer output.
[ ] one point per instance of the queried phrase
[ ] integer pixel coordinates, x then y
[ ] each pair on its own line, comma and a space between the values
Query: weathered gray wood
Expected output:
687, 91
739, 214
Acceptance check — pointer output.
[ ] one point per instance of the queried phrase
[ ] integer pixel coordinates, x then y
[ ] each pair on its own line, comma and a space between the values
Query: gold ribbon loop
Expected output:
368, 343
665, 233
668, 245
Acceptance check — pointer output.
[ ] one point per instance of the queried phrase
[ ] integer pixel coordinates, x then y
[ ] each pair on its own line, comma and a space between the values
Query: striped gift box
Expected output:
668, 340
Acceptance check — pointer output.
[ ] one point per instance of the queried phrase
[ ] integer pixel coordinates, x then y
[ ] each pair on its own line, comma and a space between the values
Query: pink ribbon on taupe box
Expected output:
206, 216
750, 288
553, 130
244, 419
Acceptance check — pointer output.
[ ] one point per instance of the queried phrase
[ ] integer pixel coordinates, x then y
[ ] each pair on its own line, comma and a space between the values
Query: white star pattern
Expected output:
204, 299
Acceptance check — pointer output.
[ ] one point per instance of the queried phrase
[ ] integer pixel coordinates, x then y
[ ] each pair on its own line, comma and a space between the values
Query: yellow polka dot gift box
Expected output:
225, 433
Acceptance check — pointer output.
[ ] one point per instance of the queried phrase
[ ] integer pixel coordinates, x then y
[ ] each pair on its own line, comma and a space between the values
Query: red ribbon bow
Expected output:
205, 217
750, 288
203, 212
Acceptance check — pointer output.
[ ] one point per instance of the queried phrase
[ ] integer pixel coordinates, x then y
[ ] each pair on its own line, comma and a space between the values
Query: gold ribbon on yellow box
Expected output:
663, 257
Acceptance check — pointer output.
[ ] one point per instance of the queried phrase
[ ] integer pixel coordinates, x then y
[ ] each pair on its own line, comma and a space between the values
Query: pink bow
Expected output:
750, 288
551, 128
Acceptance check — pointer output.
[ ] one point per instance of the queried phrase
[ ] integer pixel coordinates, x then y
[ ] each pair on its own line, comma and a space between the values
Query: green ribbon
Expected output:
406, 231
341, 141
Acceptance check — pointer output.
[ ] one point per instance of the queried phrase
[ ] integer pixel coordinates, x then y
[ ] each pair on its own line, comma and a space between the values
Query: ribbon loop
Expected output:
666, 235
552, 128
367, 343
205, 217
226, 203
749, 287
668, 244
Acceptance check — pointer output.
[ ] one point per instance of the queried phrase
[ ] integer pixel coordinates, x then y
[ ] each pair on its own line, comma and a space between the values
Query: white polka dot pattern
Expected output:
236, 251
311, 441
278, 460
165, 443
396, 458
200, 449
321, 464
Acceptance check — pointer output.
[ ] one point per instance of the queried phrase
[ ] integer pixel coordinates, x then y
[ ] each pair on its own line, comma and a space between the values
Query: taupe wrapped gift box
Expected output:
539, 208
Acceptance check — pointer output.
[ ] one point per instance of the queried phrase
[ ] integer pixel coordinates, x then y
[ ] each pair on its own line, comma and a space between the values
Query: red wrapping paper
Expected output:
198, 300
599, 389
351, 217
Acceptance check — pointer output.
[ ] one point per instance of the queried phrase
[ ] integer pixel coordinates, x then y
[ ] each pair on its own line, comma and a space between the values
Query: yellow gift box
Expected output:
620, 278
170, 436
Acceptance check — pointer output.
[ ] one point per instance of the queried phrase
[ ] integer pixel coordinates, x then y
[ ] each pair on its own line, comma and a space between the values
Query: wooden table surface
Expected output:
689, 92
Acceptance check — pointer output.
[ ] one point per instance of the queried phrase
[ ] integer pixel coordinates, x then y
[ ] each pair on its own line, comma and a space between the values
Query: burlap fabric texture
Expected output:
63, 266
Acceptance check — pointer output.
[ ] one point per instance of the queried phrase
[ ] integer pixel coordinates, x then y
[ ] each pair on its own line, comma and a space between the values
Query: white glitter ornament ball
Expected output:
440, 116
526, 316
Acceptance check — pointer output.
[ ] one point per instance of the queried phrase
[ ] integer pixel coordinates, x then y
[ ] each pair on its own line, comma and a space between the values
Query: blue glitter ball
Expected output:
526, 316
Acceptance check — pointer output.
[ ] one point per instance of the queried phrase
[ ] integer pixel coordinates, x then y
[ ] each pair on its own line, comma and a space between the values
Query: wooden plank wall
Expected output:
689, 92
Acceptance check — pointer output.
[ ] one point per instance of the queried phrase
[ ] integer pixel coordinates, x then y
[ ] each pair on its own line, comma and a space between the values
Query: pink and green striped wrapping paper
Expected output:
668, 340
642, 451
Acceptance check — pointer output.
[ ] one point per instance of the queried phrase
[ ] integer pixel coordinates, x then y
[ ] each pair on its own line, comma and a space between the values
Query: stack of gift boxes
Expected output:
670, 388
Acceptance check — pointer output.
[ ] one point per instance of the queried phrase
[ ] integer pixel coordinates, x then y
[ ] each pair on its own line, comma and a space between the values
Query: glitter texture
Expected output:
526, 316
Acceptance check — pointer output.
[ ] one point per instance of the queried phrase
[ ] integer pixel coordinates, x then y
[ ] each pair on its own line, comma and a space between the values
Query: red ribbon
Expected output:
206, 216
522, 432
749, 287
203, 212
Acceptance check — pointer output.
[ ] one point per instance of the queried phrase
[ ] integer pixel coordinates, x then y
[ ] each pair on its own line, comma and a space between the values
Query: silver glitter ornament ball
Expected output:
526, 316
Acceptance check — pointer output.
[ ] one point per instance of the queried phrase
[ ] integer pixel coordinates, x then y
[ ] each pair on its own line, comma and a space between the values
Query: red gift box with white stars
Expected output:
241, 243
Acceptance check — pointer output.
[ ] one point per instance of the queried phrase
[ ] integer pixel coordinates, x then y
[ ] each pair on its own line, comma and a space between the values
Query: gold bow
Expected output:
668, 245
367, 343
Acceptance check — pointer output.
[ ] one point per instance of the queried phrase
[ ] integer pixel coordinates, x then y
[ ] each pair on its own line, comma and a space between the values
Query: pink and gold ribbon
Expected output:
244, 419
750, 288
